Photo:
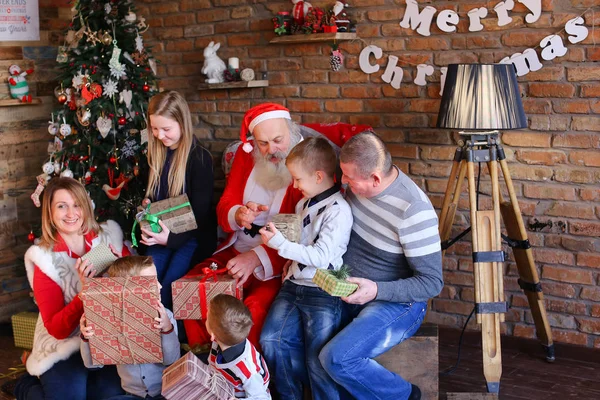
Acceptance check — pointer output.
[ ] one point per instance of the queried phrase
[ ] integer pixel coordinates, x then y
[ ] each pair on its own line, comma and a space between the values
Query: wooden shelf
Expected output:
233, 85
17, 102
314, 37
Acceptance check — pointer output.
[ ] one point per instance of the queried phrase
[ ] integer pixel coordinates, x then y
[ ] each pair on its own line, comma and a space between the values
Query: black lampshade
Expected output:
481, 97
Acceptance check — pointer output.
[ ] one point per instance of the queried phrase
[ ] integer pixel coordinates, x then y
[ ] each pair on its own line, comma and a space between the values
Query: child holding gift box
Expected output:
178, 164
303, 318
228, 322
140, 381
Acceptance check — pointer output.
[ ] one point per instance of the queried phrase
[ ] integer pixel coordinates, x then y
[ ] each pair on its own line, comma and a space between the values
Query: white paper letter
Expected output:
535, 6
443, 71
576, 28
446, 20
475, 16
423, 70
524, 62
552, 47
502, 10
363, 59
413, 19
391, 71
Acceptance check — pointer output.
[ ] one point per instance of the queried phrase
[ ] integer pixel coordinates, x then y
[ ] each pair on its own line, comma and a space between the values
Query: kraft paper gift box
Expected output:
23, 325
192, 295
289, 225
101, 258
176, 213
190, 379
329, 282
122, 312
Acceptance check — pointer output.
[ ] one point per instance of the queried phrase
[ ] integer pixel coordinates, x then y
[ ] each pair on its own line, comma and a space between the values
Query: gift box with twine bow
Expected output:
121, 312
334, 282
23, 325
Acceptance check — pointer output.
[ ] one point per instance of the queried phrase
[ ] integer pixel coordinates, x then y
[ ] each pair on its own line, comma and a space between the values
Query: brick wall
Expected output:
23, 144
555, 164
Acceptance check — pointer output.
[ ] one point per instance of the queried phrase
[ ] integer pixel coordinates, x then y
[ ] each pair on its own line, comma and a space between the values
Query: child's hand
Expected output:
86, 331
267, 232
114, 251
150, 238
85, 269
286, 268
163, 322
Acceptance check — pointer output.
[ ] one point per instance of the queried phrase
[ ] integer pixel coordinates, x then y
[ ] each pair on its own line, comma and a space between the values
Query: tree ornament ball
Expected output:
146, 87
106, 39
31, 236
62, 98
112, 160
122, 121
136, 170
93, 168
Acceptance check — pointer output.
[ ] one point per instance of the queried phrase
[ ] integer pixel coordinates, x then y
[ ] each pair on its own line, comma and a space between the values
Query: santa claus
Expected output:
258, 187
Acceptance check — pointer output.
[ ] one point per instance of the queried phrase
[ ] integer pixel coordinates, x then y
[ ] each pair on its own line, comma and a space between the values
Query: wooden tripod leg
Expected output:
497, 245
487, 233
529, 279
474, 229
448, 211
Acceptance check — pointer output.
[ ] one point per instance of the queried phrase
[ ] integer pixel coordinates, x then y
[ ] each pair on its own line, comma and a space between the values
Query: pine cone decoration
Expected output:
335, 60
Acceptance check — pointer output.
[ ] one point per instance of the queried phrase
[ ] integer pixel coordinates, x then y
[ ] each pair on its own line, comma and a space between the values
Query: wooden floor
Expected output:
526, 374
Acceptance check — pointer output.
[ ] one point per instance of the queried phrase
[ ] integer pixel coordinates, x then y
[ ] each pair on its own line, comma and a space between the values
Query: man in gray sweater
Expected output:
395, 257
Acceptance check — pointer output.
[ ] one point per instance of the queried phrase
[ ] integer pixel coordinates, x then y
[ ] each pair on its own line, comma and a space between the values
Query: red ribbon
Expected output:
211, 273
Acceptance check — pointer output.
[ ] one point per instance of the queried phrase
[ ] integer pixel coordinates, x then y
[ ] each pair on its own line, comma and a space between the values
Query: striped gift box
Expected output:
23, 325
332, 285
122, 312
192, 295
190, 379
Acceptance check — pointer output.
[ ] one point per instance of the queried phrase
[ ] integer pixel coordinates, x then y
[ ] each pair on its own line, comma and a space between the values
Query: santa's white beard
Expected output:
269, 175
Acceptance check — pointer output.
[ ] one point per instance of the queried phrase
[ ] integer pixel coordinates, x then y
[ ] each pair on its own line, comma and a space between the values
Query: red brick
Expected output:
367, 31
180, 45
228, 27
545, 192
575, 74
304, 106
588, 260
571, 210
385, 105
452, 306
589, 194
459, 278
212, 15
217, 119
525, 139
564, 274
548, 73
564, 90
559, 289
247, 39
536, 106
203, 107
403, 150
542, 157
361, 92
366, 119
587, 158
169, 33
438, 153
187, 5
576, 140
309, 76
571, 106
305, 49
427, 137
573, 175
164, 8
184, 70
423, 169
529, 173
316, 63
595, 310
242, 12
577, 244
424, 105
181, 19
344, 106
571, 337
589, 325
349, 77
428, 44
524, 331
528, 38
227, 133
389, 14
549, 123
553, 256
586, 124
321, 91
448, 292
407, 120
593, 54
449, 57
284, 65
590, 293
233, 106
567, 307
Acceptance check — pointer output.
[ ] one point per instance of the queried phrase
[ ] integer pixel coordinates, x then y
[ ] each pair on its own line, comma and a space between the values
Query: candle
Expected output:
234, 62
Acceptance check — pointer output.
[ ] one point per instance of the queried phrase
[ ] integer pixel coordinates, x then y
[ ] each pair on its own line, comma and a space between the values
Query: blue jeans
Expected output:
71, 380
134, 397
301, 320
170, 266
376, 327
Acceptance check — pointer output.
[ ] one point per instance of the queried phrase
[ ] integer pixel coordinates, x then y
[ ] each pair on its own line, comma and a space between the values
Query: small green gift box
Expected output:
334, 282
23, 325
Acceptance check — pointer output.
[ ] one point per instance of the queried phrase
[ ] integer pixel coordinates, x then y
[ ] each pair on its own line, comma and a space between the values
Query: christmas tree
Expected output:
100, 132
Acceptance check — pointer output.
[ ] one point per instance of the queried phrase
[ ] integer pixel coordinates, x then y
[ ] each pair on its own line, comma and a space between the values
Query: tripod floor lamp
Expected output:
479, 101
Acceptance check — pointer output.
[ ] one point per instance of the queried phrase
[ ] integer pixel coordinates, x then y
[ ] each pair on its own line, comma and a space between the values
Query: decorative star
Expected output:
92, 37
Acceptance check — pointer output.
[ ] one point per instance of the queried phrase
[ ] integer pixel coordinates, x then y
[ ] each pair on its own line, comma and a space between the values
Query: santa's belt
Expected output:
253, 231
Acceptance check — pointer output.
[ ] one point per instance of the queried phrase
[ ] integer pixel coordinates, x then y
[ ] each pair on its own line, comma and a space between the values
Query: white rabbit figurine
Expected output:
213, 65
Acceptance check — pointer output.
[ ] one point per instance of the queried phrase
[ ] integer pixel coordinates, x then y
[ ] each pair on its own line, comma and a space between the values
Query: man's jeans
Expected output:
301, 320
377, 327
170, 266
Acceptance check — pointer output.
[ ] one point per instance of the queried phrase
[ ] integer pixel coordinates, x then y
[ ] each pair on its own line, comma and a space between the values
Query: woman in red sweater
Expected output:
56, 272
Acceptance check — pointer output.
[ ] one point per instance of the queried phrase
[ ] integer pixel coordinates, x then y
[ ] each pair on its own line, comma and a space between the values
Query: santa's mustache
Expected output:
278, 155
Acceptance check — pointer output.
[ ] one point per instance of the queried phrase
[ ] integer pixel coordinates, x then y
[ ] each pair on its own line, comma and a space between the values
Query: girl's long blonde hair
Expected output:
81, 198
170, 105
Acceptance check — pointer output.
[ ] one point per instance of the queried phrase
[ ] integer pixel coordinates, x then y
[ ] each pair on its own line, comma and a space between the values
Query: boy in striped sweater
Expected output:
228, 322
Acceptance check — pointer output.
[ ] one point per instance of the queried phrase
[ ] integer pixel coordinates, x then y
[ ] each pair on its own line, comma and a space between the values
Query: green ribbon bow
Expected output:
152, 219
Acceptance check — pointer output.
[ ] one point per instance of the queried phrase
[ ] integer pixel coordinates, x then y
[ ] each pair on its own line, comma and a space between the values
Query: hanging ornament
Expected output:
146, 88
93, 168
110, 88
96, 89
125, 97
112, 159
67, 173
56, 167
52, 126
107, 8
336, 60
88, 178
86, 94
136, 169
130, 17
152, 64
31, 236
83, 116
139, 57
62, 55
139, 43
48, 168
122, 121
65, 129
141, 25
106, 39
77, 80
104, 126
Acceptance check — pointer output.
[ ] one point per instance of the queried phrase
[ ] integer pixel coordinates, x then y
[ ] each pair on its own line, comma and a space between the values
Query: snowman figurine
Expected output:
19, 89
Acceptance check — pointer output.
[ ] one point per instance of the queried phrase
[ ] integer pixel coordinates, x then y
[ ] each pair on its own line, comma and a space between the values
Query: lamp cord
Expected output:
451, 369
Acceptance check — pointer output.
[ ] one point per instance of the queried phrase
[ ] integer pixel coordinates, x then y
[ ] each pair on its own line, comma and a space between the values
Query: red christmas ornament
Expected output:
31, 236
112, 160
88, 179
93, 168
122, 121
145, 88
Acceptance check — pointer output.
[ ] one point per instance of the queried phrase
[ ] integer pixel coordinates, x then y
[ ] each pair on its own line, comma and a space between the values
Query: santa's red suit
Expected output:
260, 289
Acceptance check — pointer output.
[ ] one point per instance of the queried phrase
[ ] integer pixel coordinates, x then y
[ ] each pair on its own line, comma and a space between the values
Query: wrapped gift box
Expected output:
190, 379
192, 295
101, 258
122, 312
327, 281
23, 325
289, 225
176, 213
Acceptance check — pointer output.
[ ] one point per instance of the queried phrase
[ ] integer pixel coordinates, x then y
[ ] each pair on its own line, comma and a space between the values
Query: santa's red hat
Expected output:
258, 114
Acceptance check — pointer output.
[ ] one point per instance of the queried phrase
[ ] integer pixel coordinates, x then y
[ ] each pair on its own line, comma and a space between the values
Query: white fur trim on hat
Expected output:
247, 147
268, 115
